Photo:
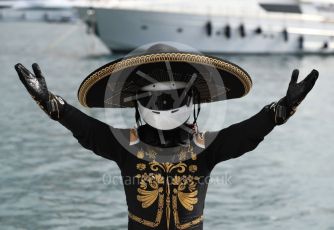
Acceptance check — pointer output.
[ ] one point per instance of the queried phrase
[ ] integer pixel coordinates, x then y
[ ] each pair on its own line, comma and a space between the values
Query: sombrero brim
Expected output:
114, 84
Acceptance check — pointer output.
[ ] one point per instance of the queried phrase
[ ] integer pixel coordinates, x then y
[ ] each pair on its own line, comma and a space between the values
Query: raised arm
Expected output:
90, 133
245, 136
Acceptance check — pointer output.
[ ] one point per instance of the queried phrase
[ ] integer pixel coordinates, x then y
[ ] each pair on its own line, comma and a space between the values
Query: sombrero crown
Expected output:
115, 84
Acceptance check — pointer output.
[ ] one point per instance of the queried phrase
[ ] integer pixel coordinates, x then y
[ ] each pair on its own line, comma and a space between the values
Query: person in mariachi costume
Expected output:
169, 160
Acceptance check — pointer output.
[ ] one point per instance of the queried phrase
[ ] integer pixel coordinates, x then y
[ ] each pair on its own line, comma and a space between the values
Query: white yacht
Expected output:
215, 26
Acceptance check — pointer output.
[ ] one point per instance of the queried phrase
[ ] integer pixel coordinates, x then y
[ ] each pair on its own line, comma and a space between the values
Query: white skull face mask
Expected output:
165, 105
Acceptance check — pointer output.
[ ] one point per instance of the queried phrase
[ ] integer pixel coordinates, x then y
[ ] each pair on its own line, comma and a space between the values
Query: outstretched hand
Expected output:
52, 105
35, 84
286, 106
298, 91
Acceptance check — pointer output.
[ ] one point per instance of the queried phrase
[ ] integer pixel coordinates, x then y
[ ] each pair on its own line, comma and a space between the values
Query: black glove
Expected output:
51, 104
286, 107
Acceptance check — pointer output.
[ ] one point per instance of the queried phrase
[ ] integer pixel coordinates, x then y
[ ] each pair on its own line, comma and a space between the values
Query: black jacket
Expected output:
166, 190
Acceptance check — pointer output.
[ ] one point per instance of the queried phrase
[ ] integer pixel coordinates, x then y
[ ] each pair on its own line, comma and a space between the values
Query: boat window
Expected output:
282, 8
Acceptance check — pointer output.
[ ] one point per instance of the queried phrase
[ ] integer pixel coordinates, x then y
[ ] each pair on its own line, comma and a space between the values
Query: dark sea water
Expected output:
48, 181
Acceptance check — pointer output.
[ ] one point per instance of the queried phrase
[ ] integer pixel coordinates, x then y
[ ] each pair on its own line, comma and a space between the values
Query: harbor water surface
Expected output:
48, 181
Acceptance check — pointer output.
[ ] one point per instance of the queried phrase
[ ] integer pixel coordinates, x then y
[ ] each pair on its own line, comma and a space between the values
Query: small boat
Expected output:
37, 10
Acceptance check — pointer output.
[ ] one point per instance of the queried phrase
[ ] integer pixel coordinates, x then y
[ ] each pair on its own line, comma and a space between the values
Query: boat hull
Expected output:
123, 30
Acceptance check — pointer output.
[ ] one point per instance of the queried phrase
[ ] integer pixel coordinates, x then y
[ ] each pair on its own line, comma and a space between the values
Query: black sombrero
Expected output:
115, 84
